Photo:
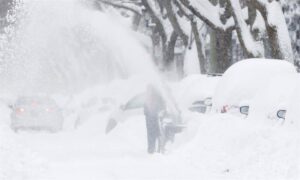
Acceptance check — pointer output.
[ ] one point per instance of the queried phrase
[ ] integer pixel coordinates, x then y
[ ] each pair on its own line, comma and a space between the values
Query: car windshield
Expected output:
34, 101
136, 102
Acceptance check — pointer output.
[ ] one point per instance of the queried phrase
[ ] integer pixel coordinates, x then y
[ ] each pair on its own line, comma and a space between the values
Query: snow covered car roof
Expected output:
194, 88
243, 80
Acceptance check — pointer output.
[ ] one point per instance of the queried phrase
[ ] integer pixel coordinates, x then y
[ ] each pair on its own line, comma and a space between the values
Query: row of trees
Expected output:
211, 26
259, 26
4, 6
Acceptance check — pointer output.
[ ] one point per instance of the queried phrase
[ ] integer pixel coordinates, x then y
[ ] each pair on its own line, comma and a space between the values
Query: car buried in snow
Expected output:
272, 101
257, 89
201, 106
195, 92
36, 113
244, 110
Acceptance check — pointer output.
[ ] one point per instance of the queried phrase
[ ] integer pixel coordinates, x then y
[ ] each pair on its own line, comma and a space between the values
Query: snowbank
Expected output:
227, 147
213, 146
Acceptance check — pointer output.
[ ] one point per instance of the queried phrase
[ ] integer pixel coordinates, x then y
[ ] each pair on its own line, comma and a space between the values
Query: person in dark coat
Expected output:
154, 106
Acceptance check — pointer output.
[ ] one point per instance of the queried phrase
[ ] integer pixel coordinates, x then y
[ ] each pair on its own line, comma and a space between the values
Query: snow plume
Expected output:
51, 46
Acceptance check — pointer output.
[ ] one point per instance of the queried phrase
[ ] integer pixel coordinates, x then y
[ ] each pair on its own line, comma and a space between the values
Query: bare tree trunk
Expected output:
251, 47
213, 65
136, 21
174, 22
277, 51
273, 40
169, 52
221, 55
224, 47
5, 5
198, 42
252, 17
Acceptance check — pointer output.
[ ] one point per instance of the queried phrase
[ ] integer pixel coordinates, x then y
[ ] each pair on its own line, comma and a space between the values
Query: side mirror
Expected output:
281, 114
10, 106
208, 101
123, 107
244, 110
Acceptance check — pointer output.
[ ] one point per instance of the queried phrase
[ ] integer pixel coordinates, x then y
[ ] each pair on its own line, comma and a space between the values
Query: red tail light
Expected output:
20, 110
48, 109
225, 109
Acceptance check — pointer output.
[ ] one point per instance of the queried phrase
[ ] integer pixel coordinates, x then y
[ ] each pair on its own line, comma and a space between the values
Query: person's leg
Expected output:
151, 144
161, 138
151, 135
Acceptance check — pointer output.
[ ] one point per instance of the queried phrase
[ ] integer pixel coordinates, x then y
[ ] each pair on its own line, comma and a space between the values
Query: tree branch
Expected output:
131, 6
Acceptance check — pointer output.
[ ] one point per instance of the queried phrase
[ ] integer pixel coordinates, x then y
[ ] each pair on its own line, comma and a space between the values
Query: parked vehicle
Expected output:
244, 110
201, 106
255, 87
281, 114
273, 99
36, 113
291, 112
195, 92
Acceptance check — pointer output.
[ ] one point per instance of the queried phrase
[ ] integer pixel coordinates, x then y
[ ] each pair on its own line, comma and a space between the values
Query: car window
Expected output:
136, 102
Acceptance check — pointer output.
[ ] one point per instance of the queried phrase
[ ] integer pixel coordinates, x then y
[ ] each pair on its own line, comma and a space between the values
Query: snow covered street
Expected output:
213, 147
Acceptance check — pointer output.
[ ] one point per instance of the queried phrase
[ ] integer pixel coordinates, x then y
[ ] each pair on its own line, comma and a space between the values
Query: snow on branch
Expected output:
128, 5
177, 22
158, 15
253, 48
278, 35
276, 20
207, 12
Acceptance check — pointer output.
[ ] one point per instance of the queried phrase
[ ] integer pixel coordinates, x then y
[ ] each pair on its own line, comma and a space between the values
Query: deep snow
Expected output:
214, 146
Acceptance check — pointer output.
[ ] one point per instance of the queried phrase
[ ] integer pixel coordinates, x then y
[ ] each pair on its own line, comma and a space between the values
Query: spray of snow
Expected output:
217, 146
65, 45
